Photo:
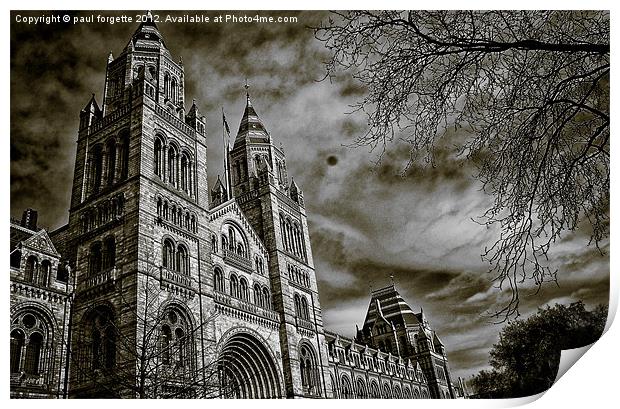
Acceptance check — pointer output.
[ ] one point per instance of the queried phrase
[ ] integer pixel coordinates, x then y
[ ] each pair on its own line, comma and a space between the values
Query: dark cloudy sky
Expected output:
366, 221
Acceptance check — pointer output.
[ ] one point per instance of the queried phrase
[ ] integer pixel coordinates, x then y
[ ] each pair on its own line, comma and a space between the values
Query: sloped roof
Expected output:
251, 128
388, 302
146, 36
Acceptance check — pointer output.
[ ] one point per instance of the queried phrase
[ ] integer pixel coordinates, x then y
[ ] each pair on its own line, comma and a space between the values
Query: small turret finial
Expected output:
392, 278
247, 87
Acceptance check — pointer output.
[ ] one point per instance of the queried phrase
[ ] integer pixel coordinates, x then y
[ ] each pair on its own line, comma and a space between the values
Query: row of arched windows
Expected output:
260, 265
301, 307
175, 257
107, 163
172, 90
292, 237
375, 363
235, 242
174, 166
35, 272
176, 215
38, 273
239, 288
299, 276
281, 172
361, 390
102, 213
102, 255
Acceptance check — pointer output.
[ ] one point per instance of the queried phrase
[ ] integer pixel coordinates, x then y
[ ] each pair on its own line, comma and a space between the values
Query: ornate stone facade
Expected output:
182, 291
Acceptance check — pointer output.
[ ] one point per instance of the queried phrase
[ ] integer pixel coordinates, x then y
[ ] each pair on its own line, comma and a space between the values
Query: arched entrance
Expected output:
246, 369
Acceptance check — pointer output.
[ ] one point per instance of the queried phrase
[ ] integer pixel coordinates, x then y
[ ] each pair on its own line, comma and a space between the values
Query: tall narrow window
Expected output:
109, 252
111, 161
297, 303
17, 346
168, 254
180, 342
266, 298
258, 296
166, 337
159, 157
110, 348
32, 265
182, 260
234, 286
124, 157
96, 349
33, 353
172, 165
167, 86
243, 289
184, 173
95, 259
218, 280
96, 168
46, 270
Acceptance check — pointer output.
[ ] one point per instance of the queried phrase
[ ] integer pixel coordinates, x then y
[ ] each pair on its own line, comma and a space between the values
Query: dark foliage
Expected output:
525, 360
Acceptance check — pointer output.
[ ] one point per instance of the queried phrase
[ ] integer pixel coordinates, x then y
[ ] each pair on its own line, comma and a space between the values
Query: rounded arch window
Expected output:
30, 333
168, 254
310, 378
243, 289
218, 279
176, 342
182, 259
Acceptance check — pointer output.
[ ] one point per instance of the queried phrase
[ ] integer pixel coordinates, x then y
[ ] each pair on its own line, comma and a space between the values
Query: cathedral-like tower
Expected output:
136, 225
275, 208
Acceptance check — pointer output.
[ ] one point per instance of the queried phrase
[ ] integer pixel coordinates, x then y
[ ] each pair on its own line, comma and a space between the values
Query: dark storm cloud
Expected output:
366, 220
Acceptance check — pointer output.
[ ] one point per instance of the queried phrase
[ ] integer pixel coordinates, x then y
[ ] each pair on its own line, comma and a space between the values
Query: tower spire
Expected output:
251, 125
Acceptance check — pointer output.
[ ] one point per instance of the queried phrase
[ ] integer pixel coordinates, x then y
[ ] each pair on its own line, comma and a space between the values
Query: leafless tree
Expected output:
527, 93
153, 361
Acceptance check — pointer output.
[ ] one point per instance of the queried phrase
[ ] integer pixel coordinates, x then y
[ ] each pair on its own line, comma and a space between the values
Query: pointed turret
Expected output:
219, 194
195, 119
146, 36
295, 193
251, 128
90, 114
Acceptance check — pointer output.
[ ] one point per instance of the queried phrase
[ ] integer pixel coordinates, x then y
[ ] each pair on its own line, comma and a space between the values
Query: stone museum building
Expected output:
160, 286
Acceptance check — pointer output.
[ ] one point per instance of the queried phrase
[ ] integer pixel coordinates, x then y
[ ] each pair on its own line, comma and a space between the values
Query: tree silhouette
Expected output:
156, 360
526, 358
527, 93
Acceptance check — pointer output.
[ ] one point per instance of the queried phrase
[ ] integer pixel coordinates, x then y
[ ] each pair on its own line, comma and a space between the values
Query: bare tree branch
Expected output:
529, 91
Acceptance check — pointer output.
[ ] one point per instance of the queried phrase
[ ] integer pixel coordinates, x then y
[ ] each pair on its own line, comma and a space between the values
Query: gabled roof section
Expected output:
40, 241
231, 207
387, 303
251, 128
